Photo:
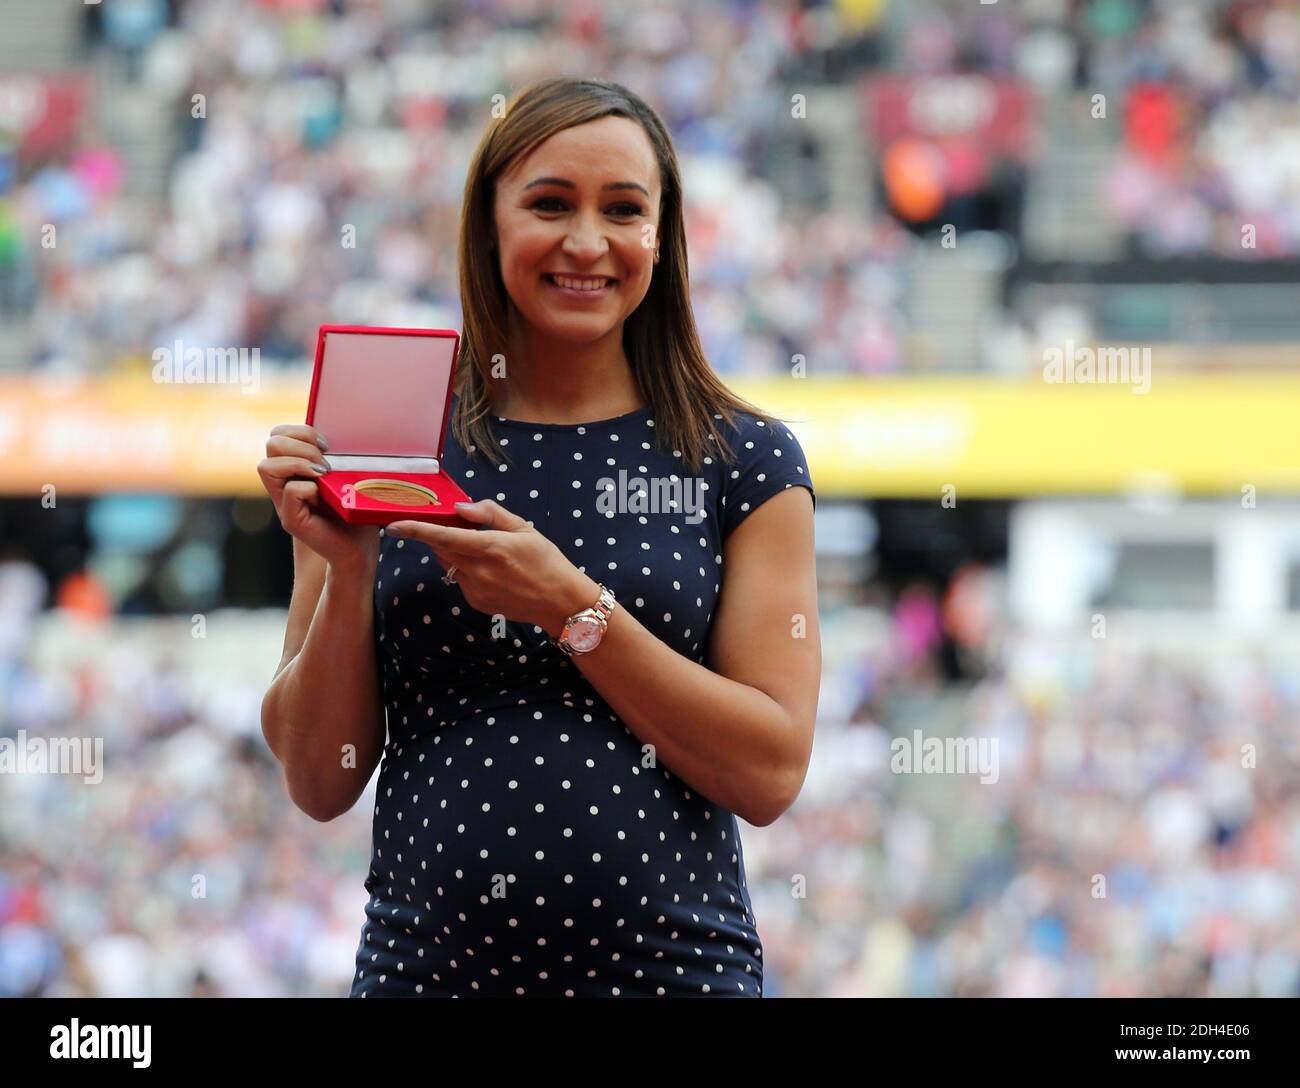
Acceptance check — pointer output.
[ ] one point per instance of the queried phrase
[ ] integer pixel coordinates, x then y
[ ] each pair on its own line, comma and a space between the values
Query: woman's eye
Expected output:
552, 203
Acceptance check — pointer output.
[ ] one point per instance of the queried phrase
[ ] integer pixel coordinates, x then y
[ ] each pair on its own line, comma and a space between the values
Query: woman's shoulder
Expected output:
768, 459
754, 435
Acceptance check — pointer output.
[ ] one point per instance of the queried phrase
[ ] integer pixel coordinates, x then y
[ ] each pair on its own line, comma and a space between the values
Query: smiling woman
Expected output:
580, 282
567, 759
573, 272
574, 230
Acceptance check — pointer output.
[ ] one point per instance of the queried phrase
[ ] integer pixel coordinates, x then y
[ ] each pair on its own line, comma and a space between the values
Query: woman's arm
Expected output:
323, 714
739, 731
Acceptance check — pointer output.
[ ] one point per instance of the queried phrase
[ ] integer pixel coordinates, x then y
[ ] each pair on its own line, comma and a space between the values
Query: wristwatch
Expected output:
584, 629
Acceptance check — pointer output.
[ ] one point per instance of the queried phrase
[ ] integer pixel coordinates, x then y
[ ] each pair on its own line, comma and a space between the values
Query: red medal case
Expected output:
382, 397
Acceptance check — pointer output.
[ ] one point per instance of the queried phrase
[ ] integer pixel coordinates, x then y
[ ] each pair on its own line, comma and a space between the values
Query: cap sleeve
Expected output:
769, 460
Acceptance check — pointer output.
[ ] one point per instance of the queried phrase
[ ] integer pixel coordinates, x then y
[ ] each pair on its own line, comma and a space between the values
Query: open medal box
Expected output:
382, 397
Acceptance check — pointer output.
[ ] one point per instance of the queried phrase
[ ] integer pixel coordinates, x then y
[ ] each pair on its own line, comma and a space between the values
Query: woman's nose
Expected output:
585, 239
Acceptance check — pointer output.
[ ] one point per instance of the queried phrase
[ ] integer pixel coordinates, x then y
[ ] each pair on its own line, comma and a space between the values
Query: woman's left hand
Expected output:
506, 567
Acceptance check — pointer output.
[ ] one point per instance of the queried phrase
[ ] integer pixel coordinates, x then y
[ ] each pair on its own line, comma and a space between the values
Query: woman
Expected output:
582, 691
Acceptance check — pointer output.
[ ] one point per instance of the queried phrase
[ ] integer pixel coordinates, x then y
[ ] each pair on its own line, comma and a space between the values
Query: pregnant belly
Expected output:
550, 828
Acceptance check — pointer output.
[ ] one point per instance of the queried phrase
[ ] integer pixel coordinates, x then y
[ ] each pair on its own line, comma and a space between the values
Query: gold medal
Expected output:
397, 492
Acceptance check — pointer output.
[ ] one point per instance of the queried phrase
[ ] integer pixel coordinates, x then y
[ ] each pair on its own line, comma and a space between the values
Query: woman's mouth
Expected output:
585, 287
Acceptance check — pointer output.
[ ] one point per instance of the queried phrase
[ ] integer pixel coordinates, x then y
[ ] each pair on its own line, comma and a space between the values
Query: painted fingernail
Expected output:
321, 442
322, 469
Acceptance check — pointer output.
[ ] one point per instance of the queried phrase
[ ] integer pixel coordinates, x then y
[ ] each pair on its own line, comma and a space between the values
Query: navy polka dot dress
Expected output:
524, 841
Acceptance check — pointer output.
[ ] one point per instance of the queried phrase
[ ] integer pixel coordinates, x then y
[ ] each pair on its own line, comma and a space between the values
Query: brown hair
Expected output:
660, 338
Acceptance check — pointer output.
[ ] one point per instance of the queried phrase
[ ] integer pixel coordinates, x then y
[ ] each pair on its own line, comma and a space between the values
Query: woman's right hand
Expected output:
290, 480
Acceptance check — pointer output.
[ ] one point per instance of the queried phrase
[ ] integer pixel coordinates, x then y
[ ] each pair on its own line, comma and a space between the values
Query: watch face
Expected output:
584, 634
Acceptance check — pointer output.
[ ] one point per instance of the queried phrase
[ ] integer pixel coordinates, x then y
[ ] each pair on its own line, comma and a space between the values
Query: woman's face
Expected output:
583, 207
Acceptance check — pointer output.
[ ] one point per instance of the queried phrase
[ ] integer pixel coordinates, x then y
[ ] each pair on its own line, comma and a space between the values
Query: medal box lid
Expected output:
382, 396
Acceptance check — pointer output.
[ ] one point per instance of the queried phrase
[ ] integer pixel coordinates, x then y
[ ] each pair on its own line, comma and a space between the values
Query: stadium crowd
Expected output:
1141, 838
1143, 834
322, 175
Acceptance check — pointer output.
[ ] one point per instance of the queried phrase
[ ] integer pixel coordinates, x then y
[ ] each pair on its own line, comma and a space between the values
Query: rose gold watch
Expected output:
584, 629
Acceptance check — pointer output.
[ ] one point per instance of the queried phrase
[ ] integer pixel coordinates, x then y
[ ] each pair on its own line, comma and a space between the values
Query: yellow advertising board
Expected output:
895, 437
992, 437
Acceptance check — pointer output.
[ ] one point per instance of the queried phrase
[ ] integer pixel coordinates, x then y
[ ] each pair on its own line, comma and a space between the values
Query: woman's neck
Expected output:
558, 381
